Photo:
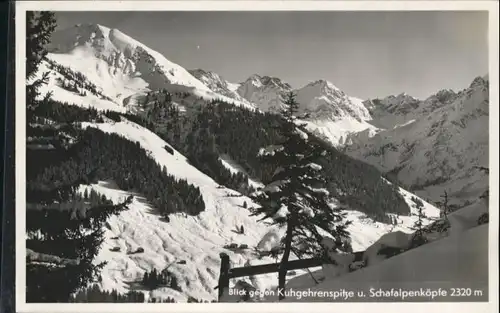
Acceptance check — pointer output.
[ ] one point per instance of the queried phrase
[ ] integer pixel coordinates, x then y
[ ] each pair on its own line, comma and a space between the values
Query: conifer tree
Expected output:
418, 237
446, 208
296, 197
39, 27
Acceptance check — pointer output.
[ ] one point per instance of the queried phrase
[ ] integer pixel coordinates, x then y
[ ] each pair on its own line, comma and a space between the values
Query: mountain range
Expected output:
426, 146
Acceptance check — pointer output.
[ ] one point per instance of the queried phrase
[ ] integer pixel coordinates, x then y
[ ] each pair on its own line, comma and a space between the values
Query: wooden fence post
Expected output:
224, 273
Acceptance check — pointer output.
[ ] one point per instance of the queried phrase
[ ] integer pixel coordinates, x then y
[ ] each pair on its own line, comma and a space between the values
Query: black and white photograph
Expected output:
169, 155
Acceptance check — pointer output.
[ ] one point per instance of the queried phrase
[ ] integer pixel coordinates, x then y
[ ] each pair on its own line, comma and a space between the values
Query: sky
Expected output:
366, 54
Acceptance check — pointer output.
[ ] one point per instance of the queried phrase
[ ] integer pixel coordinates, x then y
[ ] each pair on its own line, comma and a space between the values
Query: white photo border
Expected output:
20, 148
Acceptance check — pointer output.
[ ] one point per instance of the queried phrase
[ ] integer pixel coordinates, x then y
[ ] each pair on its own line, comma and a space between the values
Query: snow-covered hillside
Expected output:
460, 260
454, 257
55, 85
440, 147
196, 240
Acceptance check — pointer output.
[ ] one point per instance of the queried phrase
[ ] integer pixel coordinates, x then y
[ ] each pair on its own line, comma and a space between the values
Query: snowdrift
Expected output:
460, 260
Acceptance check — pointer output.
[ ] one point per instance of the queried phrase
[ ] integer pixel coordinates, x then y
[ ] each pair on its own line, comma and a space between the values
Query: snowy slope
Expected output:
235, 168
456, 261
439, 146
338, 131
197, 240
63, 95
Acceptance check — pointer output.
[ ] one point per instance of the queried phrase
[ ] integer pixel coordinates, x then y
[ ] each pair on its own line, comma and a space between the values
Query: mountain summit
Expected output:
122, 55
124, 67
265, 91
217, 83
322, 99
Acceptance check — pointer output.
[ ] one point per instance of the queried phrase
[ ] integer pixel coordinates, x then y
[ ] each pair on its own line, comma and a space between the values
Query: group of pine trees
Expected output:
356, 184
110, 156
75, 81
64, 112
155, 279
196, 143
119, 159
94, 294
71, 231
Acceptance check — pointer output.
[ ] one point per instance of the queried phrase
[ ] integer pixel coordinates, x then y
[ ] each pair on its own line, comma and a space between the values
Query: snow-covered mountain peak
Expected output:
400, 104
275, 81
323, 100
445, 92
443, 96
480, 81
267, 81
399, 99
93, 43
265, 91
91, 35
128, 69
103, 40
218, 84
324, 85
254, 79
328, 111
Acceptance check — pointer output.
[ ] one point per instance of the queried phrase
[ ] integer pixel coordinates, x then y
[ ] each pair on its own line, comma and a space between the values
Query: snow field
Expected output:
198, 240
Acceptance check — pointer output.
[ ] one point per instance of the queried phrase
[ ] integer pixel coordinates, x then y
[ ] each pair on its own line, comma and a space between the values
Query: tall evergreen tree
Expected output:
296, 197
39, 27
418, 237
446, 208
